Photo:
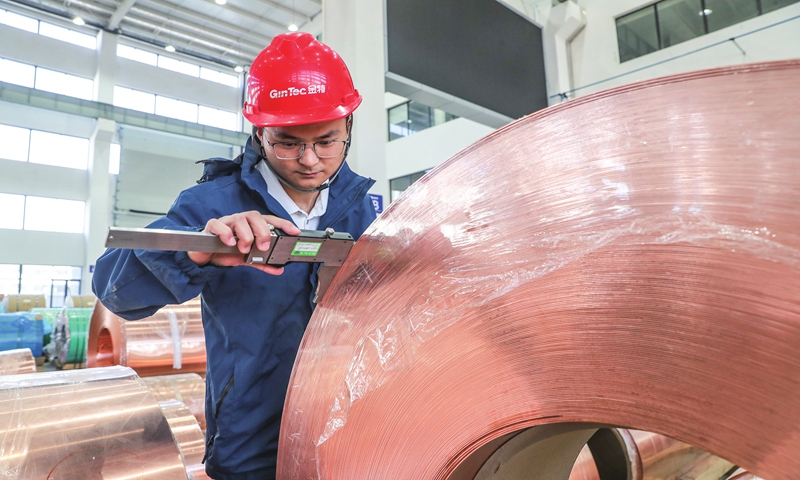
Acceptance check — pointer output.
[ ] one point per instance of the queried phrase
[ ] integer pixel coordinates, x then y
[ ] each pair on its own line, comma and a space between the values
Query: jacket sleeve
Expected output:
136, 283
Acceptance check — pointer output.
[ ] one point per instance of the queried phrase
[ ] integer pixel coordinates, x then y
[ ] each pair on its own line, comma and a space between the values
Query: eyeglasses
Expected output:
294, 150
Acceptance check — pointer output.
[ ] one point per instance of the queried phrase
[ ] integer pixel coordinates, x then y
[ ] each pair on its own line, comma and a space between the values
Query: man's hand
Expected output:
245, 227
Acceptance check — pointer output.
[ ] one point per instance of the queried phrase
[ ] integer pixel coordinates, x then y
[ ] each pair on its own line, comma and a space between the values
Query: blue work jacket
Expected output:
253, 321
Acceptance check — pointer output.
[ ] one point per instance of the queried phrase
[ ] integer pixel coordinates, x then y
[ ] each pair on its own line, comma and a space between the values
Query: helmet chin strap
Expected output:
326, 184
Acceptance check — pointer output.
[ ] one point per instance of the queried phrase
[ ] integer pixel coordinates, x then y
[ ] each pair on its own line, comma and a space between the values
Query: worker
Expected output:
292, 175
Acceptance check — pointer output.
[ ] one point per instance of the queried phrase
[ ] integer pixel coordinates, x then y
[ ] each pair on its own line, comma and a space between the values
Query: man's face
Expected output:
309, 171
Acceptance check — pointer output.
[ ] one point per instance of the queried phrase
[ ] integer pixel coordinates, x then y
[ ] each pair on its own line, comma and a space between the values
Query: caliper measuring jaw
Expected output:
327, 247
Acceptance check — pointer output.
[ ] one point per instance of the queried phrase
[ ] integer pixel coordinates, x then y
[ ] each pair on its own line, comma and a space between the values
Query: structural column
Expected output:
354, 28
100, 200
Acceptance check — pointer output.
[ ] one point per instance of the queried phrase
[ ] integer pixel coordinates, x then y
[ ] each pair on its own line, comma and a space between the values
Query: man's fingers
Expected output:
285, 225
220, 229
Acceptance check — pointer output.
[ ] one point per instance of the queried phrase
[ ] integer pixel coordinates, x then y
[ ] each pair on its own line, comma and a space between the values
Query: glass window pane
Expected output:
172, 108
637, 34
770, 5
113, 161
14, 143
20, 21
12, 211
178, 66
62, 272
217, 118
136, 54
67, 35
679, 21
17, 73
54, 215
64, 83
59, 150
419, 116
219, 77
134, 99
724, 13
76, 273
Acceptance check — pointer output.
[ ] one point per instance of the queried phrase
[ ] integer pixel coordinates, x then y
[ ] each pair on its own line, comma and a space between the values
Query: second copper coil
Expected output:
190, 440
188, 388
168, 342
13, 362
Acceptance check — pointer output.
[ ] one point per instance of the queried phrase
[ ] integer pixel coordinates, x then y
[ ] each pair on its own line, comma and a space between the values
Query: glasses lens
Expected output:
288, 151
329, 149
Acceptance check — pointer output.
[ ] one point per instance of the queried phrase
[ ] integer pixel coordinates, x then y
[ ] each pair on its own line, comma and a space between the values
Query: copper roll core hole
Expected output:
105, 349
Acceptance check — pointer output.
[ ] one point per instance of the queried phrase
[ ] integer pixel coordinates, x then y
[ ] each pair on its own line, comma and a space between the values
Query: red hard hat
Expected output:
297, 80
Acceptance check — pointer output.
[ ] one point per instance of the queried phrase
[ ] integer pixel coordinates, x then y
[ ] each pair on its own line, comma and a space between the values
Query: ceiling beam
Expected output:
120, 12
294, 13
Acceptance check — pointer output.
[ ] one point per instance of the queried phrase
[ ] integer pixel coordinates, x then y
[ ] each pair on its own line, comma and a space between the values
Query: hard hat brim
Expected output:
314, 115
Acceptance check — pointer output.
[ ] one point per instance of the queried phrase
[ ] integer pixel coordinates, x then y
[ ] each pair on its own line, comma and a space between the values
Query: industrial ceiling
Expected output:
229, 34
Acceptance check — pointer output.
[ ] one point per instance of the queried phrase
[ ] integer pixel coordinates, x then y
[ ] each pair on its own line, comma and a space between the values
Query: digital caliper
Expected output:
326, 247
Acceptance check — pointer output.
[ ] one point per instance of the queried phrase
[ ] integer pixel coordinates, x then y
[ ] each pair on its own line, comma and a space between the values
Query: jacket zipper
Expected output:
222, 395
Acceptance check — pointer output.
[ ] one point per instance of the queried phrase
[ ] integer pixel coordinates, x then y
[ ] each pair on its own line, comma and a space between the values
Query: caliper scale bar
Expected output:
312, 246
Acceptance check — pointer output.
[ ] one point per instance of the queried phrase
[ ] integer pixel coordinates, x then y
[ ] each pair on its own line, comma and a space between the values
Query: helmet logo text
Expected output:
294, 92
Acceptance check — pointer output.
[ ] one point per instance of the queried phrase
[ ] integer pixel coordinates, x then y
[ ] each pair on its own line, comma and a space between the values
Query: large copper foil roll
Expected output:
191, 441
188, 388
629, 258
84, 424
171, 341
13, 362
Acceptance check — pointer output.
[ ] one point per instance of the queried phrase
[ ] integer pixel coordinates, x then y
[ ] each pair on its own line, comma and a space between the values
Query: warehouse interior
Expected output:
106, 107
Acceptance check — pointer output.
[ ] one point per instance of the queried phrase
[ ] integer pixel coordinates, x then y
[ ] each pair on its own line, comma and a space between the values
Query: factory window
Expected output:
218, 118
134, 99
59, 150
54, 215
48, 29
670, 22
20, 212
55, 282
399, 185
113, 159
45, 148
169, 107
179, 66
411, 117
12, 211
17, 73
14, 143
64, 83
44, 79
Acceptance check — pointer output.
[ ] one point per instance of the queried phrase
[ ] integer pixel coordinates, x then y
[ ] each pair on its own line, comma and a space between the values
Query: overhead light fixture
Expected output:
238, 69
221, 2
293, 28
78, 21
170, 49
706, 11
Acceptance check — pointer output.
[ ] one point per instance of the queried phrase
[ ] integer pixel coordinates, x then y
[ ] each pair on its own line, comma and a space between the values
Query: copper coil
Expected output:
188, 388
170, 341
13, 362
82, 425
742, 475
190, 439
629, 258
635, 455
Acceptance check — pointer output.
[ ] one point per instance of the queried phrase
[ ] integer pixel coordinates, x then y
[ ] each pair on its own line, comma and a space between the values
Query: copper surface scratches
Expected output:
17, 361
171, 341
629, 258
84, 424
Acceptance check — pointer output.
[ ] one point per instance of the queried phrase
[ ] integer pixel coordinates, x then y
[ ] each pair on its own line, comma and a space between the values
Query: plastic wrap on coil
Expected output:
170, 341
81, 424
629, 258
69, 334
189, 389
22, 330
191, 440
14, 362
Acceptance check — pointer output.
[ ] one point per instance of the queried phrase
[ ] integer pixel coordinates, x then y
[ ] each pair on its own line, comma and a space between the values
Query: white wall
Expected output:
430, 147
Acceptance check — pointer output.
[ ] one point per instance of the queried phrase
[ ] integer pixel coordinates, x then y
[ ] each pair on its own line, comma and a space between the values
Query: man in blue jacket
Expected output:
300, 99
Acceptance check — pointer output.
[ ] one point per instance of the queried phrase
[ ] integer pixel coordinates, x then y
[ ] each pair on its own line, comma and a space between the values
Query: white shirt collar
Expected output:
303, 220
